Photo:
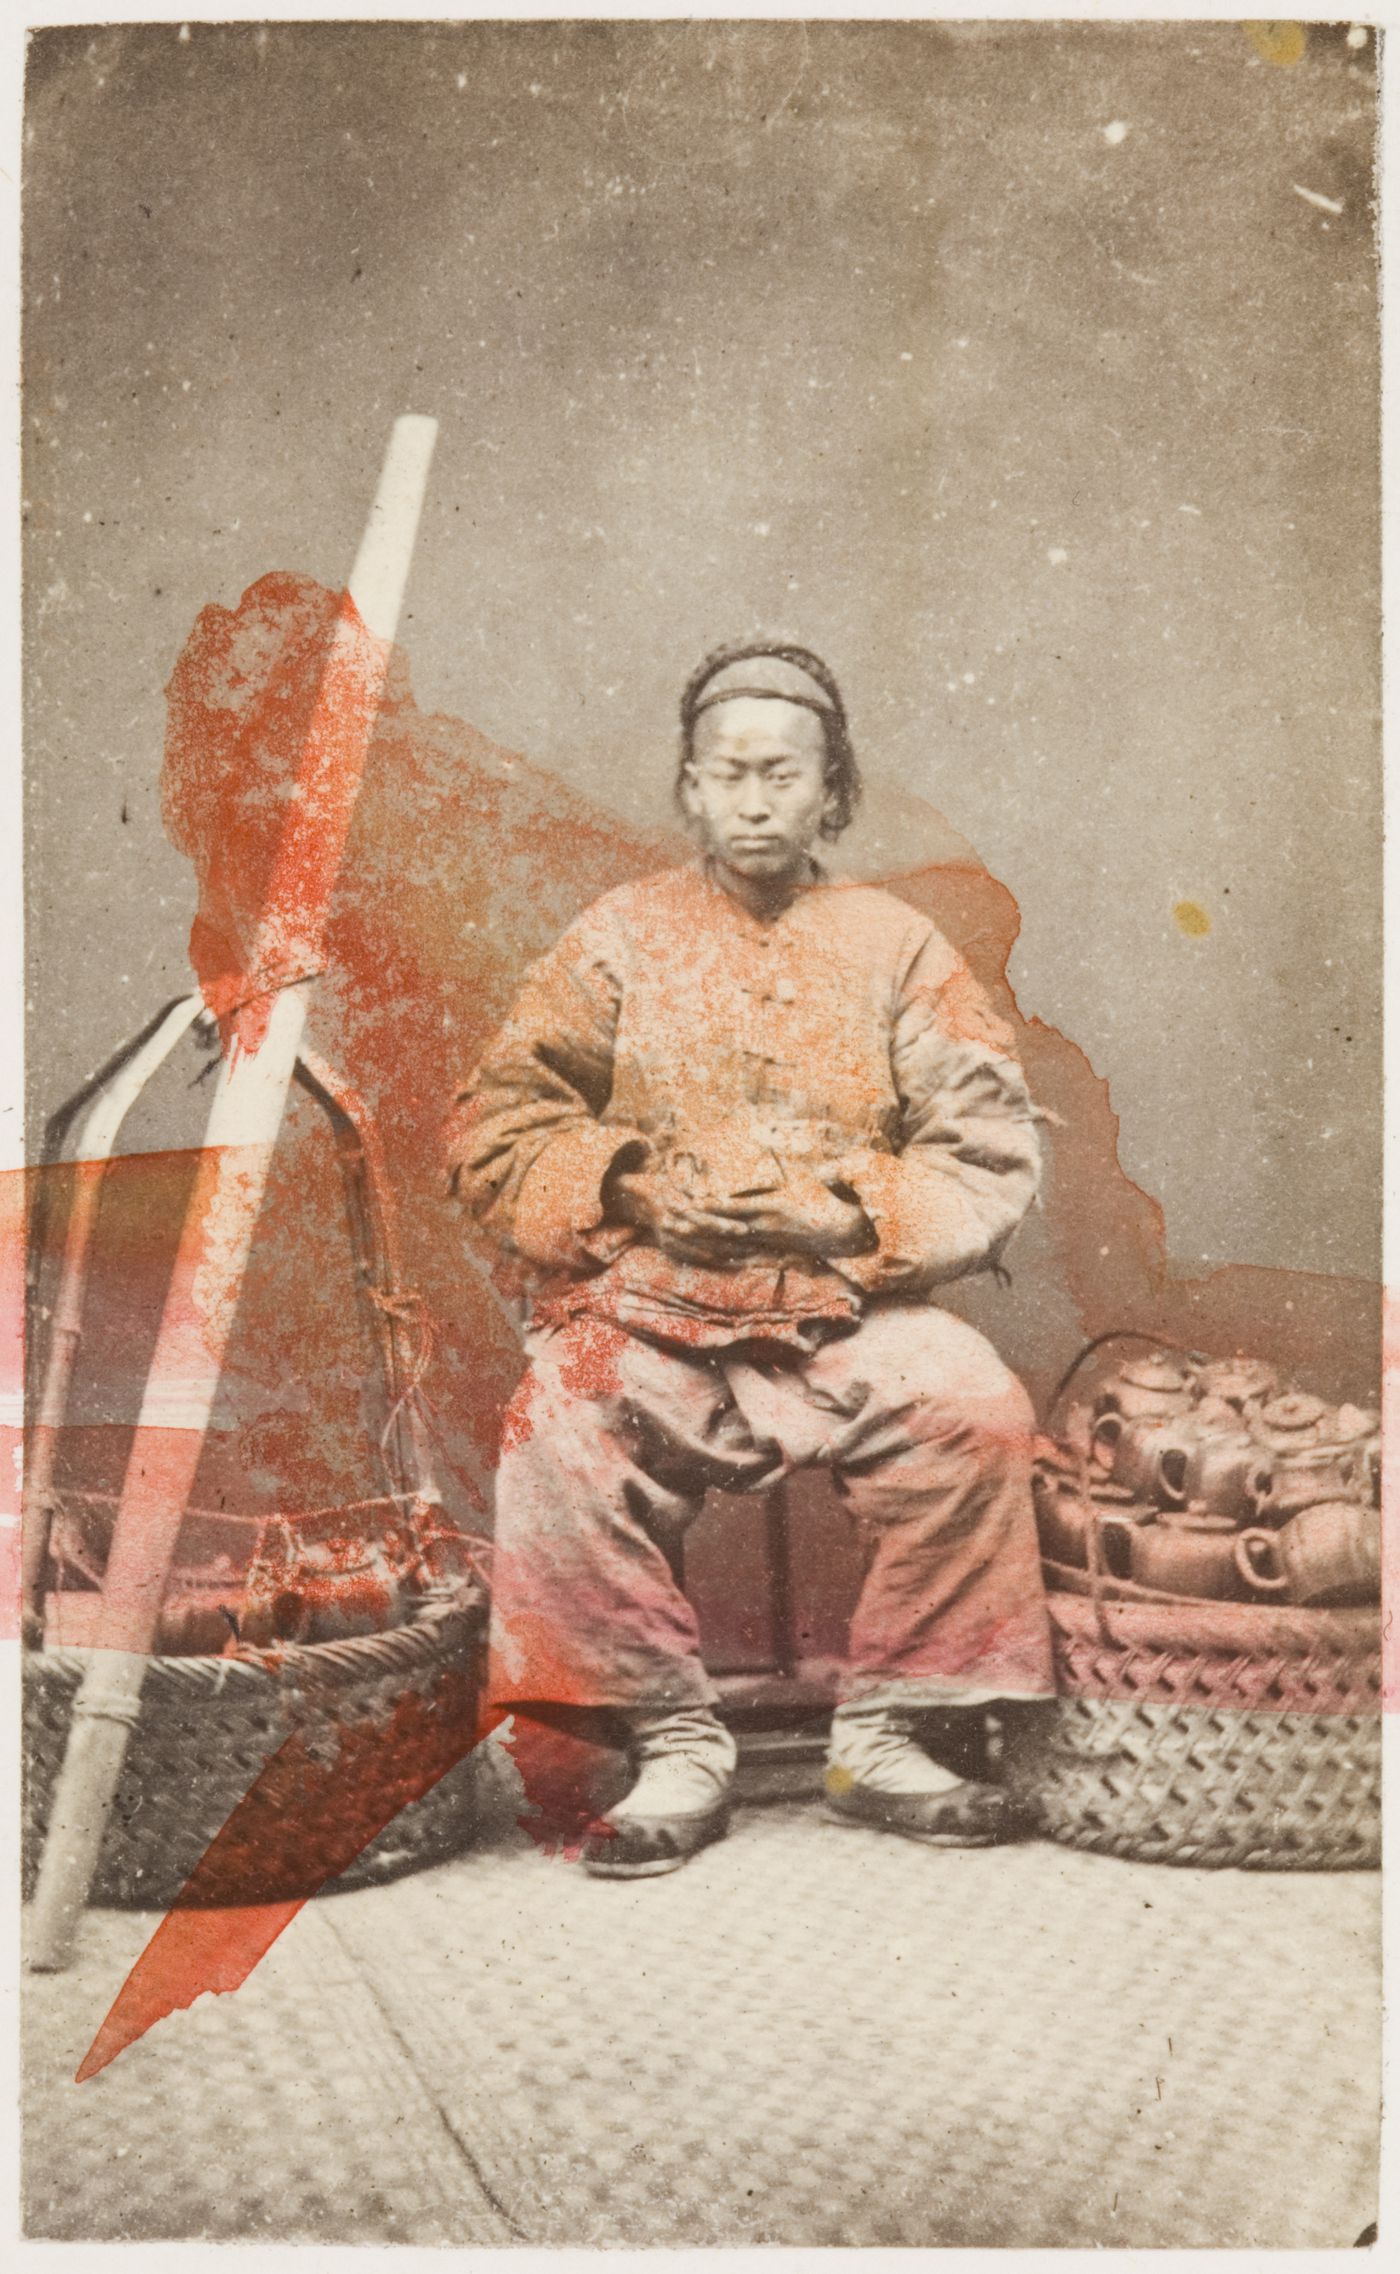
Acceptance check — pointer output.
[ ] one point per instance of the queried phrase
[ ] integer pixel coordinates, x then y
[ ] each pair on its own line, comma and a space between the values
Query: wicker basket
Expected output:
1206, 1733
208, 1726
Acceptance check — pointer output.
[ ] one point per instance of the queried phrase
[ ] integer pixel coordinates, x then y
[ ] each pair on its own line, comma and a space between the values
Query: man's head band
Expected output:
769, 674
820, 704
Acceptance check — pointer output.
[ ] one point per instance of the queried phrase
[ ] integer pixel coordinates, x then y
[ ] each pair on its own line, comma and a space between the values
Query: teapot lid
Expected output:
1158, 1371
1217, 1414
1296, 1410
1249, 1372
1352, 1421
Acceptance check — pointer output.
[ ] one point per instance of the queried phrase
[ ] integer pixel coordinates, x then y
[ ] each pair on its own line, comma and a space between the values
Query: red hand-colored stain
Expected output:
265, 823
462, 864
1390, 1504
336, 1810
205, 1943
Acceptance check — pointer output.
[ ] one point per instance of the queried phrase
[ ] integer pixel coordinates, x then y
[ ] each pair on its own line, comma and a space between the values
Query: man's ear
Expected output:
690, 806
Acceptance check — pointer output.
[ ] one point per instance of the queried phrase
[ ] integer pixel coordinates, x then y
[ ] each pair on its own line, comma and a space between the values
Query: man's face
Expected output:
756, 783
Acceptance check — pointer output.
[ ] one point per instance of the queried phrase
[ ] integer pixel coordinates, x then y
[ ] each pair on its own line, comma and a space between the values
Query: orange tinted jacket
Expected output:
668, 1025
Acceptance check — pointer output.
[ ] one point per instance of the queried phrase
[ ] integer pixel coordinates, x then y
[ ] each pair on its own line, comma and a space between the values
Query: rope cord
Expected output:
1114, 1334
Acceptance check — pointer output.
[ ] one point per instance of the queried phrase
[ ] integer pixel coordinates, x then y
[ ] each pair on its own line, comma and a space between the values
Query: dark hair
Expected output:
842, 774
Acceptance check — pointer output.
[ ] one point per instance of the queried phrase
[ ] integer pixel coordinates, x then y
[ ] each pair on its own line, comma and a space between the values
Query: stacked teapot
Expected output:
1205, 1480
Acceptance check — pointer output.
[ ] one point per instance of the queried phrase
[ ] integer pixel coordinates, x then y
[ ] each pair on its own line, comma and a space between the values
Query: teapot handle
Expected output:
1269, 1583
1171, 1467
1103, 1444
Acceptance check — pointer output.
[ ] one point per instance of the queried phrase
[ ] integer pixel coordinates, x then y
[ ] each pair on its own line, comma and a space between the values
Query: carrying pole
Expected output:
98, 1132
244, 1121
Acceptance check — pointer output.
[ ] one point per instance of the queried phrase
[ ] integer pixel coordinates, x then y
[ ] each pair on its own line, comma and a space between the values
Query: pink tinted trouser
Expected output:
612, 1440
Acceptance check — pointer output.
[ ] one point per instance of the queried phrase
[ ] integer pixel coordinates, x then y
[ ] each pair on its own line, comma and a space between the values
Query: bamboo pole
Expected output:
98, 1132
244, 1121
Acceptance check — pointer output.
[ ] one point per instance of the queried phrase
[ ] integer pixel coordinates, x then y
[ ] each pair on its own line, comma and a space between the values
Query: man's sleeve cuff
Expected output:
559, 1208
875, 1180
921, 1226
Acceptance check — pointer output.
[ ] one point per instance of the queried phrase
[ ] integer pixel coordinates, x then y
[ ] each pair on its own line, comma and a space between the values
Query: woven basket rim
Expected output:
1235, 1630
80, 1496
389, 1650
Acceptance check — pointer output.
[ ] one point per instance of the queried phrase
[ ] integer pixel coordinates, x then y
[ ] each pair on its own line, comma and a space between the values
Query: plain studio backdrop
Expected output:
1026, 371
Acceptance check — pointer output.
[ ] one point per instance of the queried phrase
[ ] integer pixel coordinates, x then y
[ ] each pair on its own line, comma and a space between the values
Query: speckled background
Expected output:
1060, 440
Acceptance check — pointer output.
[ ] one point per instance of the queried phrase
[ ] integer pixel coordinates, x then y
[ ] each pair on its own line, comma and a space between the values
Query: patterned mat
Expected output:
812, 2035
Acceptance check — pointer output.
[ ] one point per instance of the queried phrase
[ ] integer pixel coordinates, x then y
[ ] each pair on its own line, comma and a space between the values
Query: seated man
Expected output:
745, 1122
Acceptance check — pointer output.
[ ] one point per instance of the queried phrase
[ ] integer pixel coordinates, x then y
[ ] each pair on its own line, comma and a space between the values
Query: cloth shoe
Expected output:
877, 1773
679, 1801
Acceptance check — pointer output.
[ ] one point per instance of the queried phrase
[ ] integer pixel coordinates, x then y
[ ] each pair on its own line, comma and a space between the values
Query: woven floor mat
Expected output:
287, 2112
812, 2035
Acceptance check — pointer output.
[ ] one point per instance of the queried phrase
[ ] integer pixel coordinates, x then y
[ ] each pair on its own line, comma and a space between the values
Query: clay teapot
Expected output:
1064, 1517
1287, 1423
1360, 1426
1144, 1389
1222, 1469
198, 1620
1189, 1551
1328, 1555
1353, 1424
1244, 1384
1310, 1474
1061, 1515
327, 1575
1132, 1451
1078, 1428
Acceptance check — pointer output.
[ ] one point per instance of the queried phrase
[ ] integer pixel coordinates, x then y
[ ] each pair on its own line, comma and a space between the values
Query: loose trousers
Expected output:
612, 1439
